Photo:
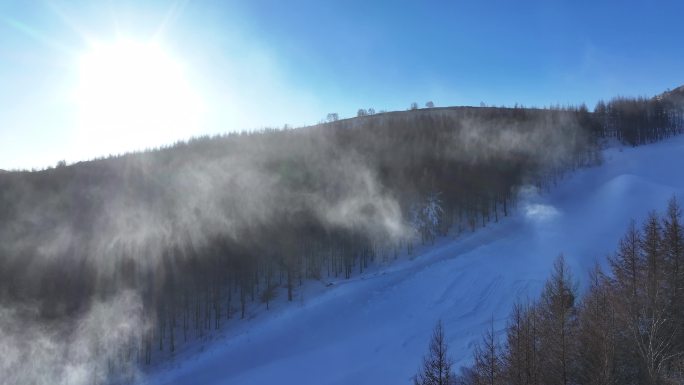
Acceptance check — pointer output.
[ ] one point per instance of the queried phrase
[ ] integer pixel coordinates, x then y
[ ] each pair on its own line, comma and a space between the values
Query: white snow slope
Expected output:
375, 329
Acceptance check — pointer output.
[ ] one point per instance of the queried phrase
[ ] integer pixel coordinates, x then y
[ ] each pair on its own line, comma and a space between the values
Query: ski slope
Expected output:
375, 328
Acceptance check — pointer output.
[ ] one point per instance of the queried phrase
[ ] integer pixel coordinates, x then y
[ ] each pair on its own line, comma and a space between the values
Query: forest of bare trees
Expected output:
638, 121
626, 328
202, 230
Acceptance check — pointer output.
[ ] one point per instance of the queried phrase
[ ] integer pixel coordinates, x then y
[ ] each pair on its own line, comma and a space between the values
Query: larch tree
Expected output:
436, 369
673, 250
653, 255
558, 316
520, 359
627, 263
488, 368
597, 333
654, 330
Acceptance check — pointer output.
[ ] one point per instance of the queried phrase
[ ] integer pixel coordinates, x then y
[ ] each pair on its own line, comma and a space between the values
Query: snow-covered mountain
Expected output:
375, 328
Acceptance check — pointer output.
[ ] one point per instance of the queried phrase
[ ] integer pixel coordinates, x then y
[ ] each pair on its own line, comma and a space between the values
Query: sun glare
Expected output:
133, 95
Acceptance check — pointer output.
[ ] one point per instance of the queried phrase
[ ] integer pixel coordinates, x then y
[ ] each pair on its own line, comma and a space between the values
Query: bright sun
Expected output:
133, 95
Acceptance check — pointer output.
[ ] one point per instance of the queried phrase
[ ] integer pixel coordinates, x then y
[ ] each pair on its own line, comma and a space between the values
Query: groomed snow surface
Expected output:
375, 328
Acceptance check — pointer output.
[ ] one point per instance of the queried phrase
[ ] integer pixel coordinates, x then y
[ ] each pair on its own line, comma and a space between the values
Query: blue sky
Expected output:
268, 63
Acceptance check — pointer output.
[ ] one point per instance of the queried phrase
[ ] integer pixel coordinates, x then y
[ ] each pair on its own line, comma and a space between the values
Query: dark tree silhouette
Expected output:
626, 329
436, 369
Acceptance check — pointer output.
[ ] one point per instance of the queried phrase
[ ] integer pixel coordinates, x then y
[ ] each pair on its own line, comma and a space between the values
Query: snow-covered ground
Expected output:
375, 328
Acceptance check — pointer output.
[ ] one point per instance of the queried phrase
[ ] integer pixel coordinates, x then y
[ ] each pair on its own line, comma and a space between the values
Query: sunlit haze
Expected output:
87, 79
314, 192
133, 92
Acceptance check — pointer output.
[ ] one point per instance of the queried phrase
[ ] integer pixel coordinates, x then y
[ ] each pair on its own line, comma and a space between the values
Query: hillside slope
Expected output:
675, 96
375, 330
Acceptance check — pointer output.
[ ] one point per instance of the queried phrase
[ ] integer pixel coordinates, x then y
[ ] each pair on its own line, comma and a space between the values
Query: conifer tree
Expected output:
558, 316
488, 359
437, 364
520, 359
597, 334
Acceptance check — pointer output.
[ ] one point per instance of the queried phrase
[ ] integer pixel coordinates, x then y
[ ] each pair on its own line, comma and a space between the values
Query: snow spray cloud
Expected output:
549, 136
84, 248
92, 349
68, 312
